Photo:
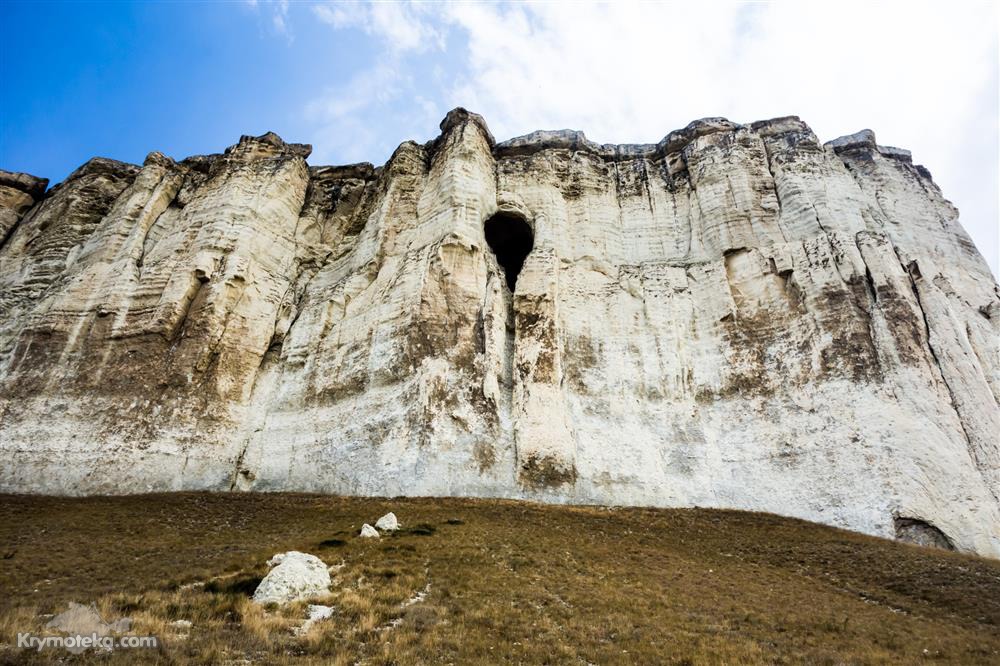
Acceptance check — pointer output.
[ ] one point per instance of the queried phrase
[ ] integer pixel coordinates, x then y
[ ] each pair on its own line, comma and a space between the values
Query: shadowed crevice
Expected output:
511, 239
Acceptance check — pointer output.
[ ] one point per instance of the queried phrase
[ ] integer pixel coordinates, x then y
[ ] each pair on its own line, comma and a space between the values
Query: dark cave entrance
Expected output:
511, 239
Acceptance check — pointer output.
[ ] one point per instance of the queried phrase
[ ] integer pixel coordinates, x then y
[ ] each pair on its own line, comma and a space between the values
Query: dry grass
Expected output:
482, 581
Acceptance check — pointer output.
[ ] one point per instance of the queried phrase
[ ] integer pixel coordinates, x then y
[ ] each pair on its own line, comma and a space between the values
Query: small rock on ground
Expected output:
388, 523
80, 620
316, 613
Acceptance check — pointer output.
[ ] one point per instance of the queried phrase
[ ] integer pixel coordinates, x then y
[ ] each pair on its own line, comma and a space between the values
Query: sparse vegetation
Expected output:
484, 581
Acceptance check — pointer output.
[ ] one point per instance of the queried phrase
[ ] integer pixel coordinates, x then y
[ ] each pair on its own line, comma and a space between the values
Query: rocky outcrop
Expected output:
18, 193
738, 316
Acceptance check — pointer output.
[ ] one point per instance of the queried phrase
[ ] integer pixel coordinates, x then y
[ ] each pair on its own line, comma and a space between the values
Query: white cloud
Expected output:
924, 77
403, 26
343, 116
278, 11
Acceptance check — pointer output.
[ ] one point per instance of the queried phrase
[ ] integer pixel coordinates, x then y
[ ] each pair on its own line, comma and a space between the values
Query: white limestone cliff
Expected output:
738, 316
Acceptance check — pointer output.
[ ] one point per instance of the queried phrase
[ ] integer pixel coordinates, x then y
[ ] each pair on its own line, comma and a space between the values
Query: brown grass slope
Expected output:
505, 582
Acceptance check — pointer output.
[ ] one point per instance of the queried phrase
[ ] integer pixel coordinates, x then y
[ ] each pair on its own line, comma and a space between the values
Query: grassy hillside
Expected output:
482, 581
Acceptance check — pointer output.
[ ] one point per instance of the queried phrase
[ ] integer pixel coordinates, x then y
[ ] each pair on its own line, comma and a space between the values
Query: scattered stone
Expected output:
316, 614
387, 523
81, 620
121, 625
369, 532
418, 597
181, 624
294, 576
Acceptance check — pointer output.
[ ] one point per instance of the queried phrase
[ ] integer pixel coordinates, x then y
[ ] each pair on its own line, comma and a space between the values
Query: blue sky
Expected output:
120, 80
354, 79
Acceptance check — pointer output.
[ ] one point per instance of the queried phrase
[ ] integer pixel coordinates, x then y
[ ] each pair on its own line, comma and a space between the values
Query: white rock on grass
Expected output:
369, 532
81, 620
295, 576
388, 523
316, 614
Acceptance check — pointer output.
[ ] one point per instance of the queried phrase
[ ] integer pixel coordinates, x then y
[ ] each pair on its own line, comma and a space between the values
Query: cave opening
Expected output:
511, 239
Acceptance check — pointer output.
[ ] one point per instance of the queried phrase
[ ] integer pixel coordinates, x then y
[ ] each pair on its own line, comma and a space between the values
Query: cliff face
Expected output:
737, 316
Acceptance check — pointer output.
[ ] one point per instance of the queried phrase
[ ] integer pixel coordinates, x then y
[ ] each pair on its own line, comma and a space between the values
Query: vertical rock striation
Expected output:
738, 316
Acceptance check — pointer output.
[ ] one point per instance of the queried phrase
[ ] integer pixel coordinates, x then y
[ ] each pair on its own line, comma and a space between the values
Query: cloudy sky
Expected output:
357, 79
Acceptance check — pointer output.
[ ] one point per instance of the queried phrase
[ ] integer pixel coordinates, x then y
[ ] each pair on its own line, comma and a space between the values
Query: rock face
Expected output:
737, 316
18, 193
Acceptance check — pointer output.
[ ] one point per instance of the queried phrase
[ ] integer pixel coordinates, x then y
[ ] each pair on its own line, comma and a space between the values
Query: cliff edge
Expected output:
737, 316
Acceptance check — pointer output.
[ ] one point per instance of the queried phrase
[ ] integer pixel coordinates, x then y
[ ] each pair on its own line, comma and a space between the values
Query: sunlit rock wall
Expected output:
738, 316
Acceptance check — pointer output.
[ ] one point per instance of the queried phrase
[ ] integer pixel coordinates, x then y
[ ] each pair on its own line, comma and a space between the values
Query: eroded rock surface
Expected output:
738, 316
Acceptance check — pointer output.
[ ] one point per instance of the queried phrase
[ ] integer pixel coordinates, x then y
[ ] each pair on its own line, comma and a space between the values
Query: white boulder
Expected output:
294, 576
388, 523
369, 532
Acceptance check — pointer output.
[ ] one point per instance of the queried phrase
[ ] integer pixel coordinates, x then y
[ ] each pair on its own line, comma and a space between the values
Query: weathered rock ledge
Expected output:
737, 316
